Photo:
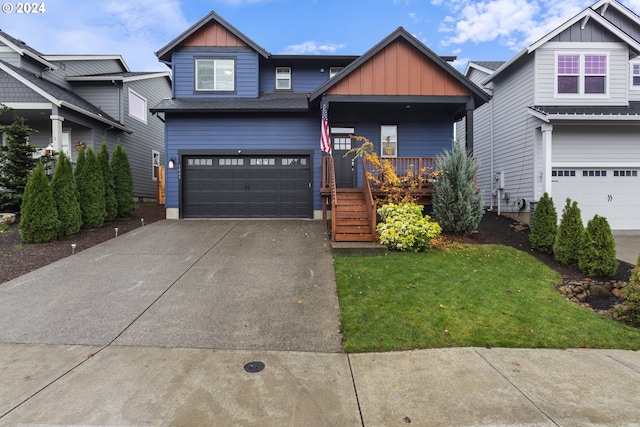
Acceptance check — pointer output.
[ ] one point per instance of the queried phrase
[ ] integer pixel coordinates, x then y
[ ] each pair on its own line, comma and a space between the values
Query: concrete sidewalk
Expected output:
156, 326
136, 386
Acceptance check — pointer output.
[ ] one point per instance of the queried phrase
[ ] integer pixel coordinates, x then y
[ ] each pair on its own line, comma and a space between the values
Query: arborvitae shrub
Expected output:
38, 215
110, 203
65, 196
123, 182
456, 206
544, 225
92, 192
569, 238
629, 310
598, 254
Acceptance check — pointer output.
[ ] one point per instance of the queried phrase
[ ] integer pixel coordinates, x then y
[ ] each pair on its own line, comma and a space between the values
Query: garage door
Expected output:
610, 192
262, 186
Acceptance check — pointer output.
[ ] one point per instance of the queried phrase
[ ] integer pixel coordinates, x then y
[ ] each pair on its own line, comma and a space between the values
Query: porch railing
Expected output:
422, 169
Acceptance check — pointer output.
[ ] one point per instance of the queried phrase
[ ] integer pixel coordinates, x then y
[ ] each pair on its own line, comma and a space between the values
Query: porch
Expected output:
353, 210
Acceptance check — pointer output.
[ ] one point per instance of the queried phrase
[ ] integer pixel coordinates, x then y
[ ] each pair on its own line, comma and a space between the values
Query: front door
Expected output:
346, 165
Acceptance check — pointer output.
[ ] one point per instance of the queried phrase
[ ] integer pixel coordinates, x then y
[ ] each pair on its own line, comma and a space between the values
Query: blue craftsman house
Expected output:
243, 126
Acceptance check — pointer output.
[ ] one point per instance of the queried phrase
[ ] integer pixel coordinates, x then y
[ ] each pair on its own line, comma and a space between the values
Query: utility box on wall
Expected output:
499, 179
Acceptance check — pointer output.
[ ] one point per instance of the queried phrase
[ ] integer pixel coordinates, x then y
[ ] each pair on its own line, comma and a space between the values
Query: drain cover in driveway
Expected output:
253, 367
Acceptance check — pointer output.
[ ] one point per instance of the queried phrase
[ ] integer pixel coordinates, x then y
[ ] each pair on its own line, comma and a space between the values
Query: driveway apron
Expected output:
249, 284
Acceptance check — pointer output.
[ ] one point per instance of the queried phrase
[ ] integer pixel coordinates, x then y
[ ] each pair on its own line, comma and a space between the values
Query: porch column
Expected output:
469, 126
547, 138
56, 132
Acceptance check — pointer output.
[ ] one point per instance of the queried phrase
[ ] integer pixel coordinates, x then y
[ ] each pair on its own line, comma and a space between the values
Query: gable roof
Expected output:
118, 58
164, 54
24, 49
401, 34
584, 16
60, 96
487, 67
603, 5
124, 77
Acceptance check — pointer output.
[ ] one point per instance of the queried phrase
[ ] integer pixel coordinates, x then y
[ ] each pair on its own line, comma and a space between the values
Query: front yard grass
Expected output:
464, 296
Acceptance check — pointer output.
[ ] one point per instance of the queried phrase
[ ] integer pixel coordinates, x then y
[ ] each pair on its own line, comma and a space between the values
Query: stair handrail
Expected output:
368, 198
334, 195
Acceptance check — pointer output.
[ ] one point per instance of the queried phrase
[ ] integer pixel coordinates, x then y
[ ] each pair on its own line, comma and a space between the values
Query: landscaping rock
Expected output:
598, 291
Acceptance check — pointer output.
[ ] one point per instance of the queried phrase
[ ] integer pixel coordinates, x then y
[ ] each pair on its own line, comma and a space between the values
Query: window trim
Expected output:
132, 114
214, 60
334, 70
631, 75
289, 78
155, 164
393, 145
581, 75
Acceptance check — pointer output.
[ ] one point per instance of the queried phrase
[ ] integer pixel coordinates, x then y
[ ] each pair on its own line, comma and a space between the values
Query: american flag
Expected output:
325, 140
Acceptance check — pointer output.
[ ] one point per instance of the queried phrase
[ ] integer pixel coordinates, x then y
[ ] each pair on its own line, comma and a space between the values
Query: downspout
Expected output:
491, 172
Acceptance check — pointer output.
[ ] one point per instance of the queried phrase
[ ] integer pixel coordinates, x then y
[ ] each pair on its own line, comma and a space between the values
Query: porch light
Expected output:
172, 163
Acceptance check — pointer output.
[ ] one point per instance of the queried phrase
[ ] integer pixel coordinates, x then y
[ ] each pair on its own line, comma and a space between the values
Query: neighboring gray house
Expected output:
88, 98
565, 119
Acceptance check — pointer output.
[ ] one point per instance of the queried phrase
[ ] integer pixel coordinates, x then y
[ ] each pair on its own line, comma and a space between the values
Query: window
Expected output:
635, 76
389, 140
137, 106
581, 74
215, 75
283, 78
155, 164
65, 143
334, 70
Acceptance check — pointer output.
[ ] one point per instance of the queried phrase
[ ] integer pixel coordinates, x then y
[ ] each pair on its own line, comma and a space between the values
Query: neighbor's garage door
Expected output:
247, 187
610, 192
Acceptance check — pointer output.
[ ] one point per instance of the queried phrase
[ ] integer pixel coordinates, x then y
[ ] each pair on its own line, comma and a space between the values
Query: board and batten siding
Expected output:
618, 77
596, 145
513, 134
267, 134
184, 74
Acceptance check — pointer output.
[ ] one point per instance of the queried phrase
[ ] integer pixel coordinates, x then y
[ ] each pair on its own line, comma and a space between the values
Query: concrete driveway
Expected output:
627, 245
196, 284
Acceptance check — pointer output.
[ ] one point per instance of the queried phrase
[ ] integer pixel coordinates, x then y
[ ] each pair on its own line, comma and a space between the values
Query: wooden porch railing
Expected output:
371, 204
421, 167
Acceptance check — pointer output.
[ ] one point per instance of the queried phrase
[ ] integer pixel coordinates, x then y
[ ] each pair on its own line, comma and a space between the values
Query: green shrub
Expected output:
544, 225
110, 203
569, 238
404, 228
92, 192
123, 182
456, 206
598, 254
629, 310
38, 215
65, 196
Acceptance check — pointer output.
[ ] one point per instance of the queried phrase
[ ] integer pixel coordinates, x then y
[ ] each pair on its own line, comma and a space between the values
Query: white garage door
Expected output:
610, 192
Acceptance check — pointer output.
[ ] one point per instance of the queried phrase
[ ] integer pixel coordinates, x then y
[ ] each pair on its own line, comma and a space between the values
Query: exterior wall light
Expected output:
172, 163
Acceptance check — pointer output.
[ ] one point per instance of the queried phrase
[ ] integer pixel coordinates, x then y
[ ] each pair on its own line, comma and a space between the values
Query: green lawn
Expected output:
463, 296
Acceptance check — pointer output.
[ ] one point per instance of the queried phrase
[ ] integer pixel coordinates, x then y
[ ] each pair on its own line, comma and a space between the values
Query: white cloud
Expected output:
313, 48
512, 23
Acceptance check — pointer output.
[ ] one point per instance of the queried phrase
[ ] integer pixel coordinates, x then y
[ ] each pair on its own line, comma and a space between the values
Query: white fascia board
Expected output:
28, 105
593, 117
620, 8
472, 64
151, 75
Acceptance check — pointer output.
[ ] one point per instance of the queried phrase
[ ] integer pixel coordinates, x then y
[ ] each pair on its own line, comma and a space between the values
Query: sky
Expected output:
480, 30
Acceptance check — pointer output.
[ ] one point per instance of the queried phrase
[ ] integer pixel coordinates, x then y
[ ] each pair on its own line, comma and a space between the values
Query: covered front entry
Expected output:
346, 165
609, 192
252, 186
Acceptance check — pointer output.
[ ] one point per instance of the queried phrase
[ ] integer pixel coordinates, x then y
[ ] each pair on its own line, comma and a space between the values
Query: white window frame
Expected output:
334, 70
65, 142
218, 66
137, 106
582, 75
632, 65
389, 140
283, 76
155, 164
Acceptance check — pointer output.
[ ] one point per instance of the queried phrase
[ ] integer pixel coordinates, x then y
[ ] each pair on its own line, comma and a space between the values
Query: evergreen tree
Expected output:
16, 162
544, 225
598, 254
92, 192
569, 237
110, 203
456, 206
65, 196
123, 181
38, 215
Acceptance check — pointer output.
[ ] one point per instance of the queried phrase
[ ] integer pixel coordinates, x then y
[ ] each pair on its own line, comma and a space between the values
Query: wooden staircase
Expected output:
351, 216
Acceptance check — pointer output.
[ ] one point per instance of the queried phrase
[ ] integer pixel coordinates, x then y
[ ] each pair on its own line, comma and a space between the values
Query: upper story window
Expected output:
137, 106
215, 75
389, 140
283, 78
635, 76
334, 70
579, 74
